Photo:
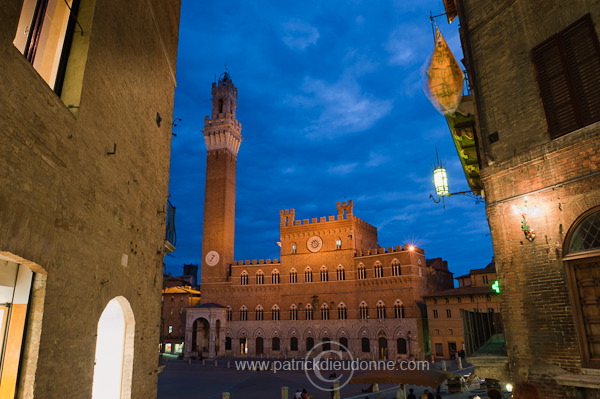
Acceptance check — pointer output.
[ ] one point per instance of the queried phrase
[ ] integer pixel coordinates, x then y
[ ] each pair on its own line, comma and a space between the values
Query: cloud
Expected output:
343, 169
298, 35
407, 45
377, 159
343, 107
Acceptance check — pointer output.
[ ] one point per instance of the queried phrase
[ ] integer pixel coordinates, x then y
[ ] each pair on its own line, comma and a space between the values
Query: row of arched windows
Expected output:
308, 313
323, 274
365, 344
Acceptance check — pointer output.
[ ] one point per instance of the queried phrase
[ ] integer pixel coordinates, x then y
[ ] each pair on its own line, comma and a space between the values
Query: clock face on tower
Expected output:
212, 258
314, 244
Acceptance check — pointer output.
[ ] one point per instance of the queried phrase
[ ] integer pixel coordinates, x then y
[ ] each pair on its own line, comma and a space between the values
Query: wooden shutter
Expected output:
567, 66
583, 61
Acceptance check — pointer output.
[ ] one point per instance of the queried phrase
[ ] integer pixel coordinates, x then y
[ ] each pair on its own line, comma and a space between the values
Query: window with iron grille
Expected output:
567, 66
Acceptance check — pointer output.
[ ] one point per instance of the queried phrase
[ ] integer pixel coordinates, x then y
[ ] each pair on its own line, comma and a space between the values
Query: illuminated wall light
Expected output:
509, 387
411, 247
525, 211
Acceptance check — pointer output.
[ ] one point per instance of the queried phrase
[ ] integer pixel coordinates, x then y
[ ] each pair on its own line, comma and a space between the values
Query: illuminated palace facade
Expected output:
332, 282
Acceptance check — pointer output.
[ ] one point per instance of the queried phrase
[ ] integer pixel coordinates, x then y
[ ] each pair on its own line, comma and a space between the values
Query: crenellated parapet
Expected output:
389, 250
226, 139
256, 262
287, 217
222, 131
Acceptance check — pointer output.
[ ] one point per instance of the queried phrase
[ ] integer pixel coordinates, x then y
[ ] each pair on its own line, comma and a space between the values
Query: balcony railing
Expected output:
170, 235
484, 333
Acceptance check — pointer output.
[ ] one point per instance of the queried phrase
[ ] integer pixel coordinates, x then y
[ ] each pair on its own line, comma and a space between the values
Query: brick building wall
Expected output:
558, 179
403, 286
175, 300
474, 293
89, 224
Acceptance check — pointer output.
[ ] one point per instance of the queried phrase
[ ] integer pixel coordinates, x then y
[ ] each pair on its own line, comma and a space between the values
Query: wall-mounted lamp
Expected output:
525, 211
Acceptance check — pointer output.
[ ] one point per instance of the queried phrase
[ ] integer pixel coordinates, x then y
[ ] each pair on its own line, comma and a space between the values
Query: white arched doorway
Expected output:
113, 366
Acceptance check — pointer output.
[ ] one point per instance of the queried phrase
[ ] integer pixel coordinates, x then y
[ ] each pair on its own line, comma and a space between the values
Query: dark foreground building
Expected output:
534, 67
86, 99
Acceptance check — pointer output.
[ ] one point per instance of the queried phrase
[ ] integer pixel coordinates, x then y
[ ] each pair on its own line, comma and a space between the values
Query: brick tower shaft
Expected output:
222, 135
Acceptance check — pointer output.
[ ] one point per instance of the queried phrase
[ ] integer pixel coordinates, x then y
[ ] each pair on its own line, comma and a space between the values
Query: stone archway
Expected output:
201, 337
113, 366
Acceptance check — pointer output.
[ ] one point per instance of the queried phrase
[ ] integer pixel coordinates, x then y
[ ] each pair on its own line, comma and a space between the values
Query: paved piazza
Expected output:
181, 380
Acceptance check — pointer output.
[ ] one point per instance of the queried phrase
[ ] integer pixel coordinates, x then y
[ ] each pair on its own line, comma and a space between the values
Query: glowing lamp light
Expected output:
496, 287
440, 179
509, 387
411, 248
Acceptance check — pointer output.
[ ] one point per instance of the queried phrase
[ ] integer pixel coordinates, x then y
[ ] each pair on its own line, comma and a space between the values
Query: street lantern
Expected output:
442, 190
440, 179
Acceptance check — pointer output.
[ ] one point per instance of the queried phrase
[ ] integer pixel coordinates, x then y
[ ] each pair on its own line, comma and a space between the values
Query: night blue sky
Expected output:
330, 96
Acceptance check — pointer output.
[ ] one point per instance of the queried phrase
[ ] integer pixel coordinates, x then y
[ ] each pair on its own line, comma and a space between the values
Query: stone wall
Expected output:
84, 190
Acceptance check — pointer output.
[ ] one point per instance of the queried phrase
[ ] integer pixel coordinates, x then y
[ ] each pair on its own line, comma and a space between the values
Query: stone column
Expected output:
187, 347
212, 342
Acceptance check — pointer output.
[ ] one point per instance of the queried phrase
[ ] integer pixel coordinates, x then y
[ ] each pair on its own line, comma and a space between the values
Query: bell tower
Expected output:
223, 135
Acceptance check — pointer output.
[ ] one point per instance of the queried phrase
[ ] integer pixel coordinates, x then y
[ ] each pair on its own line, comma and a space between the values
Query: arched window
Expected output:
310, 343
260, 277
324, 312
324, 274
344, 344
293, 276
362, 272
363, 310
308, 312
365, 345
436, 332
401, 346
338, 243
396, 269
398, 309
227, 343
275, 314
341, 273
342, 311
275, 343
326, 344
293, 312
381, 310
243, 313
220, 105
275, 277
294, 344
229, 314
244, 278
378, 270
450, 331
583, 268
260, 313
294, 248
308, 275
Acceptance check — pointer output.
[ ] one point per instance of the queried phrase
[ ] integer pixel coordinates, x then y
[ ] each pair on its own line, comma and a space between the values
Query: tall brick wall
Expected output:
559, 177
73, 210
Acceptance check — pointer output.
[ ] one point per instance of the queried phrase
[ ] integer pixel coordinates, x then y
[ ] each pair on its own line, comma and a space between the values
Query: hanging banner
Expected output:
444, 77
